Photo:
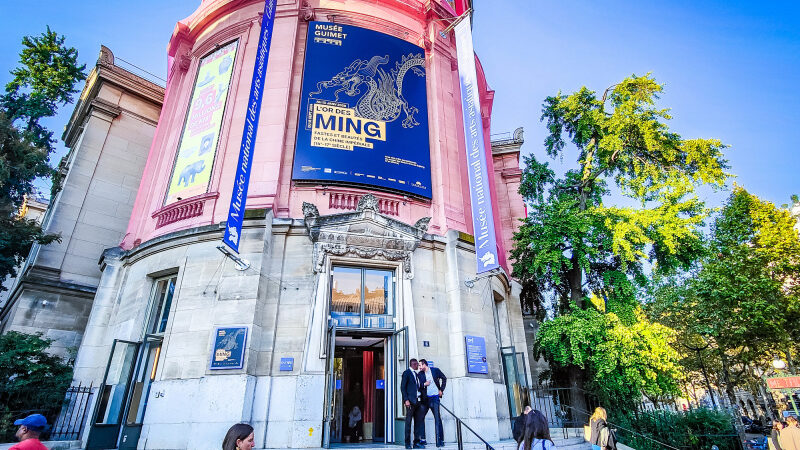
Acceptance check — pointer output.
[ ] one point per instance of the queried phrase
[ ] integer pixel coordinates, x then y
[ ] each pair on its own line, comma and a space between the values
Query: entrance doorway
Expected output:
364, 371
359, 397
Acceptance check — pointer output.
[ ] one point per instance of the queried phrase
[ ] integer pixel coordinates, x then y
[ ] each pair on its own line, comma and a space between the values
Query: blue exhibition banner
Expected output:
476, 354
363, 111
233, 228
478, 173
229, 345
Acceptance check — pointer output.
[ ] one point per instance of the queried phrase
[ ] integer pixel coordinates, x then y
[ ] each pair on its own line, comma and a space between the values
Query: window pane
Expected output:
377, 291
346, 290
158, 305
170, 290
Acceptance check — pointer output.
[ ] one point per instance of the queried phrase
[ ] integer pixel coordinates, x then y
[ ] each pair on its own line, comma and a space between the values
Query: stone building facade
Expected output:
108, 135
335, 285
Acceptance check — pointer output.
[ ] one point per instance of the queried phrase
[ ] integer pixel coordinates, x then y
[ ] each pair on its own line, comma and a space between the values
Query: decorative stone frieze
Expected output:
364, 233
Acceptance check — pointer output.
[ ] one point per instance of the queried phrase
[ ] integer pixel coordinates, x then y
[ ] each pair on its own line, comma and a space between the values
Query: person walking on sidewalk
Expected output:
536, 435
774, 437
790, 435
432, 392
518, 429
239, 437
30, 428
601, 436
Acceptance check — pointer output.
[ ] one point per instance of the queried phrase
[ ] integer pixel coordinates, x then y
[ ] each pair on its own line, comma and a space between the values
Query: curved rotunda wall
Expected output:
219, 25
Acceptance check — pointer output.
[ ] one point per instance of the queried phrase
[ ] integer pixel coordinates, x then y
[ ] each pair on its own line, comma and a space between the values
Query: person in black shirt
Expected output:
518, 428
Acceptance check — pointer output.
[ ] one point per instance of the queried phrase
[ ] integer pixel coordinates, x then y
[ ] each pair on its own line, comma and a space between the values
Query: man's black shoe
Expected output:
419, 445
409, 447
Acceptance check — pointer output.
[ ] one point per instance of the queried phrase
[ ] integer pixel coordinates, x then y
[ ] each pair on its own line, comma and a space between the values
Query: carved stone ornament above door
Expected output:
363, 233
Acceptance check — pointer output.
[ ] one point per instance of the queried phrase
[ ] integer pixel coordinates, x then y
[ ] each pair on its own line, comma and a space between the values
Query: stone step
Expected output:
571, 443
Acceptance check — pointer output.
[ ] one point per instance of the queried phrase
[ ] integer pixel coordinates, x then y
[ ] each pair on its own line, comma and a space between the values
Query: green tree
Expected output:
623, 361
31, 380
572, 244
44, 80
742, 296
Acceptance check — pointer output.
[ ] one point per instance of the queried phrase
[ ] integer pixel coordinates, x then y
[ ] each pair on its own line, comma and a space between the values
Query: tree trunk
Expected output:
732, 396
577, 395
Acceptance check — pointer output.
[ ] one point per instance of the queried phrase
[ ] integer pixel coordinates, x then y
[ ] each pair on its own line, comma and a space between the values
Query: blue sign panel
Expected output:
478, 173
287, 364
338, 384
380, 384
363, 111
229, 345
476, 355
233, 228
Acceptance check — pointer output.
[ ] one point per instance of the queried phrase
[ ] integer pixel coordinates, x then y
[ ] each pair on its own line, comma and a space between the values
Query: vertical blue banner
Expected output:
479, 181
233, 227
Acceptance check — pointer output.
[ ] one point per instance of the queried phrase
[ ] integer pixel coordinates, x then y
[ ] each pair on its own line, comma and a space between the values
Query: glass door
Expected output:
516, 380
140, 392
397, 358
112, 395
330, 387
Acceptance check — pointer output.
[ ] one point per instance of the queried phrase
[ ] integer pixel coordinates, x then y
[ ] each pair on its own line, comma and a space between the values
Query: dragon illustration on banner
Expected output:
382, 98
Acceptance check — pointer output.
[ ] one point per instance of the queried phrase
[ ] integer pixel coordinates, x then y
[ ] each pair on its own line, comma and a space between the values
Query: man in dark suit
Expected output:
410, 388
433, 385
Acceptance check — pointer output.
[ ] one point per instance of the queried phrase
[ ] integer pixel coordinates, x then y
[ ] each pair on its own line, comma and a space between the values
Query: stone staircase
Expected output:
572, 442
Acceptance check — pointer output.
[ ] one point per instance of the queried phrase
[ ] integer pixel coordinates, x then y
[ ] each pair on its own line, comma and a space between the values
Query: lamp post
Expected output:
780, 364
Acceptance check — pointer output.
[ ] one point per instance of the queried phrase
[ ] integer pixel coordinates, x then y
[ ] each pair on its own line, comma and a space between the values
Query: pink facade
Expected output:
217, 22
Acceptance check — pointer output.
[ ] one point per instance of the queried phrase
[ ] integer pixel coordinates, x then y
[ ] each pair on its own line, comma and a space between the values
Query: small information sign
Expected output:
784, 382
287, 364
228, 350
476, 354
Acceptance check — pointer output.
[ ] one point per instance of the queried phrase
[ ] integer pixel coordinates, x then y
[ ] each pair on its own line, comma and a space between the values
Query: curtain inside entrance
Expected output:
369, 387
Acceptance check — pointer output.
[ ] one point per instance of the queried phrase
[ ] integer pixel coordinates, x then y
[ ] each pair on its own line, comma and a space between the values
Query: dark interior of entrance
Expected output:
359, 395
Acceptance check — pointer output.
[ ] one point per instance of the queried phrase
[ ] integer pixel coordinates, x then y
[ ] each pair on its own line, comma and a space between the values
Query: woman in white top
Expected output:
537, 433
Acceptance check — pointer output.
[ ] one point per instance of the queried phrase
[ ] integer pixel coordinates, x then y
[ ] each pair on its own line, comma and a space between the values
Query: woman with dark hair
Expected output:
774, 438
537, 433
239, 437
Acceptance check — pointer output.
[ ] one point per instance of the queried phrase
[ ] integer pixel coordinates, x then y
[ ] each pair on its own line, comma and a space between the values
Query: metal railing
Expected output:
651, 427
459, 434
72, 417
66, 418
616, 427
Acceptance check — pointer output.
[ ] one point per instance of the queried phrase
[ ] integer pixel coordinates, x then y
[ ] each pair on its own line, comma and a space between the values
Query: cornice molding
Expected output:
364, 233
106, 72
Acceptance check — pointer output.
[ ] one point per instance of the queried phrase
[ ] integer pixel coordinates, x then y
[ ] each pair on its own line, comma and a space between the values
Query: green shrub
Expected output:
31, 380
695, 429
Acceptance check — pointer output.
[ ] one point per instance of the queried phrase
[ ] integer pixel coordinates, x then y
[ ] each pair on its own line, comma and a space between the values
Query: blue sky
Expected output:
731, 68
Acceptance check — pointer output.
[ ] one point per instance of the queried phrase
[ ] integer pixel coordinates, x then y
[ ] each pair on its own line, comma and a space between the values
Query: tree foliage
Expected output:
44, 80
742, 298
621, 139
573, 246
623, 362
31, 379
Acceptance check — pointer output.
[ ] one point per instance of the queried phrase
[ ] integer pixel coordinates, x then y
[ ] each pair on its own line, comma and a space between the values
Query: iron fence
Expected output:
66, 419
73, 413
646, 426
